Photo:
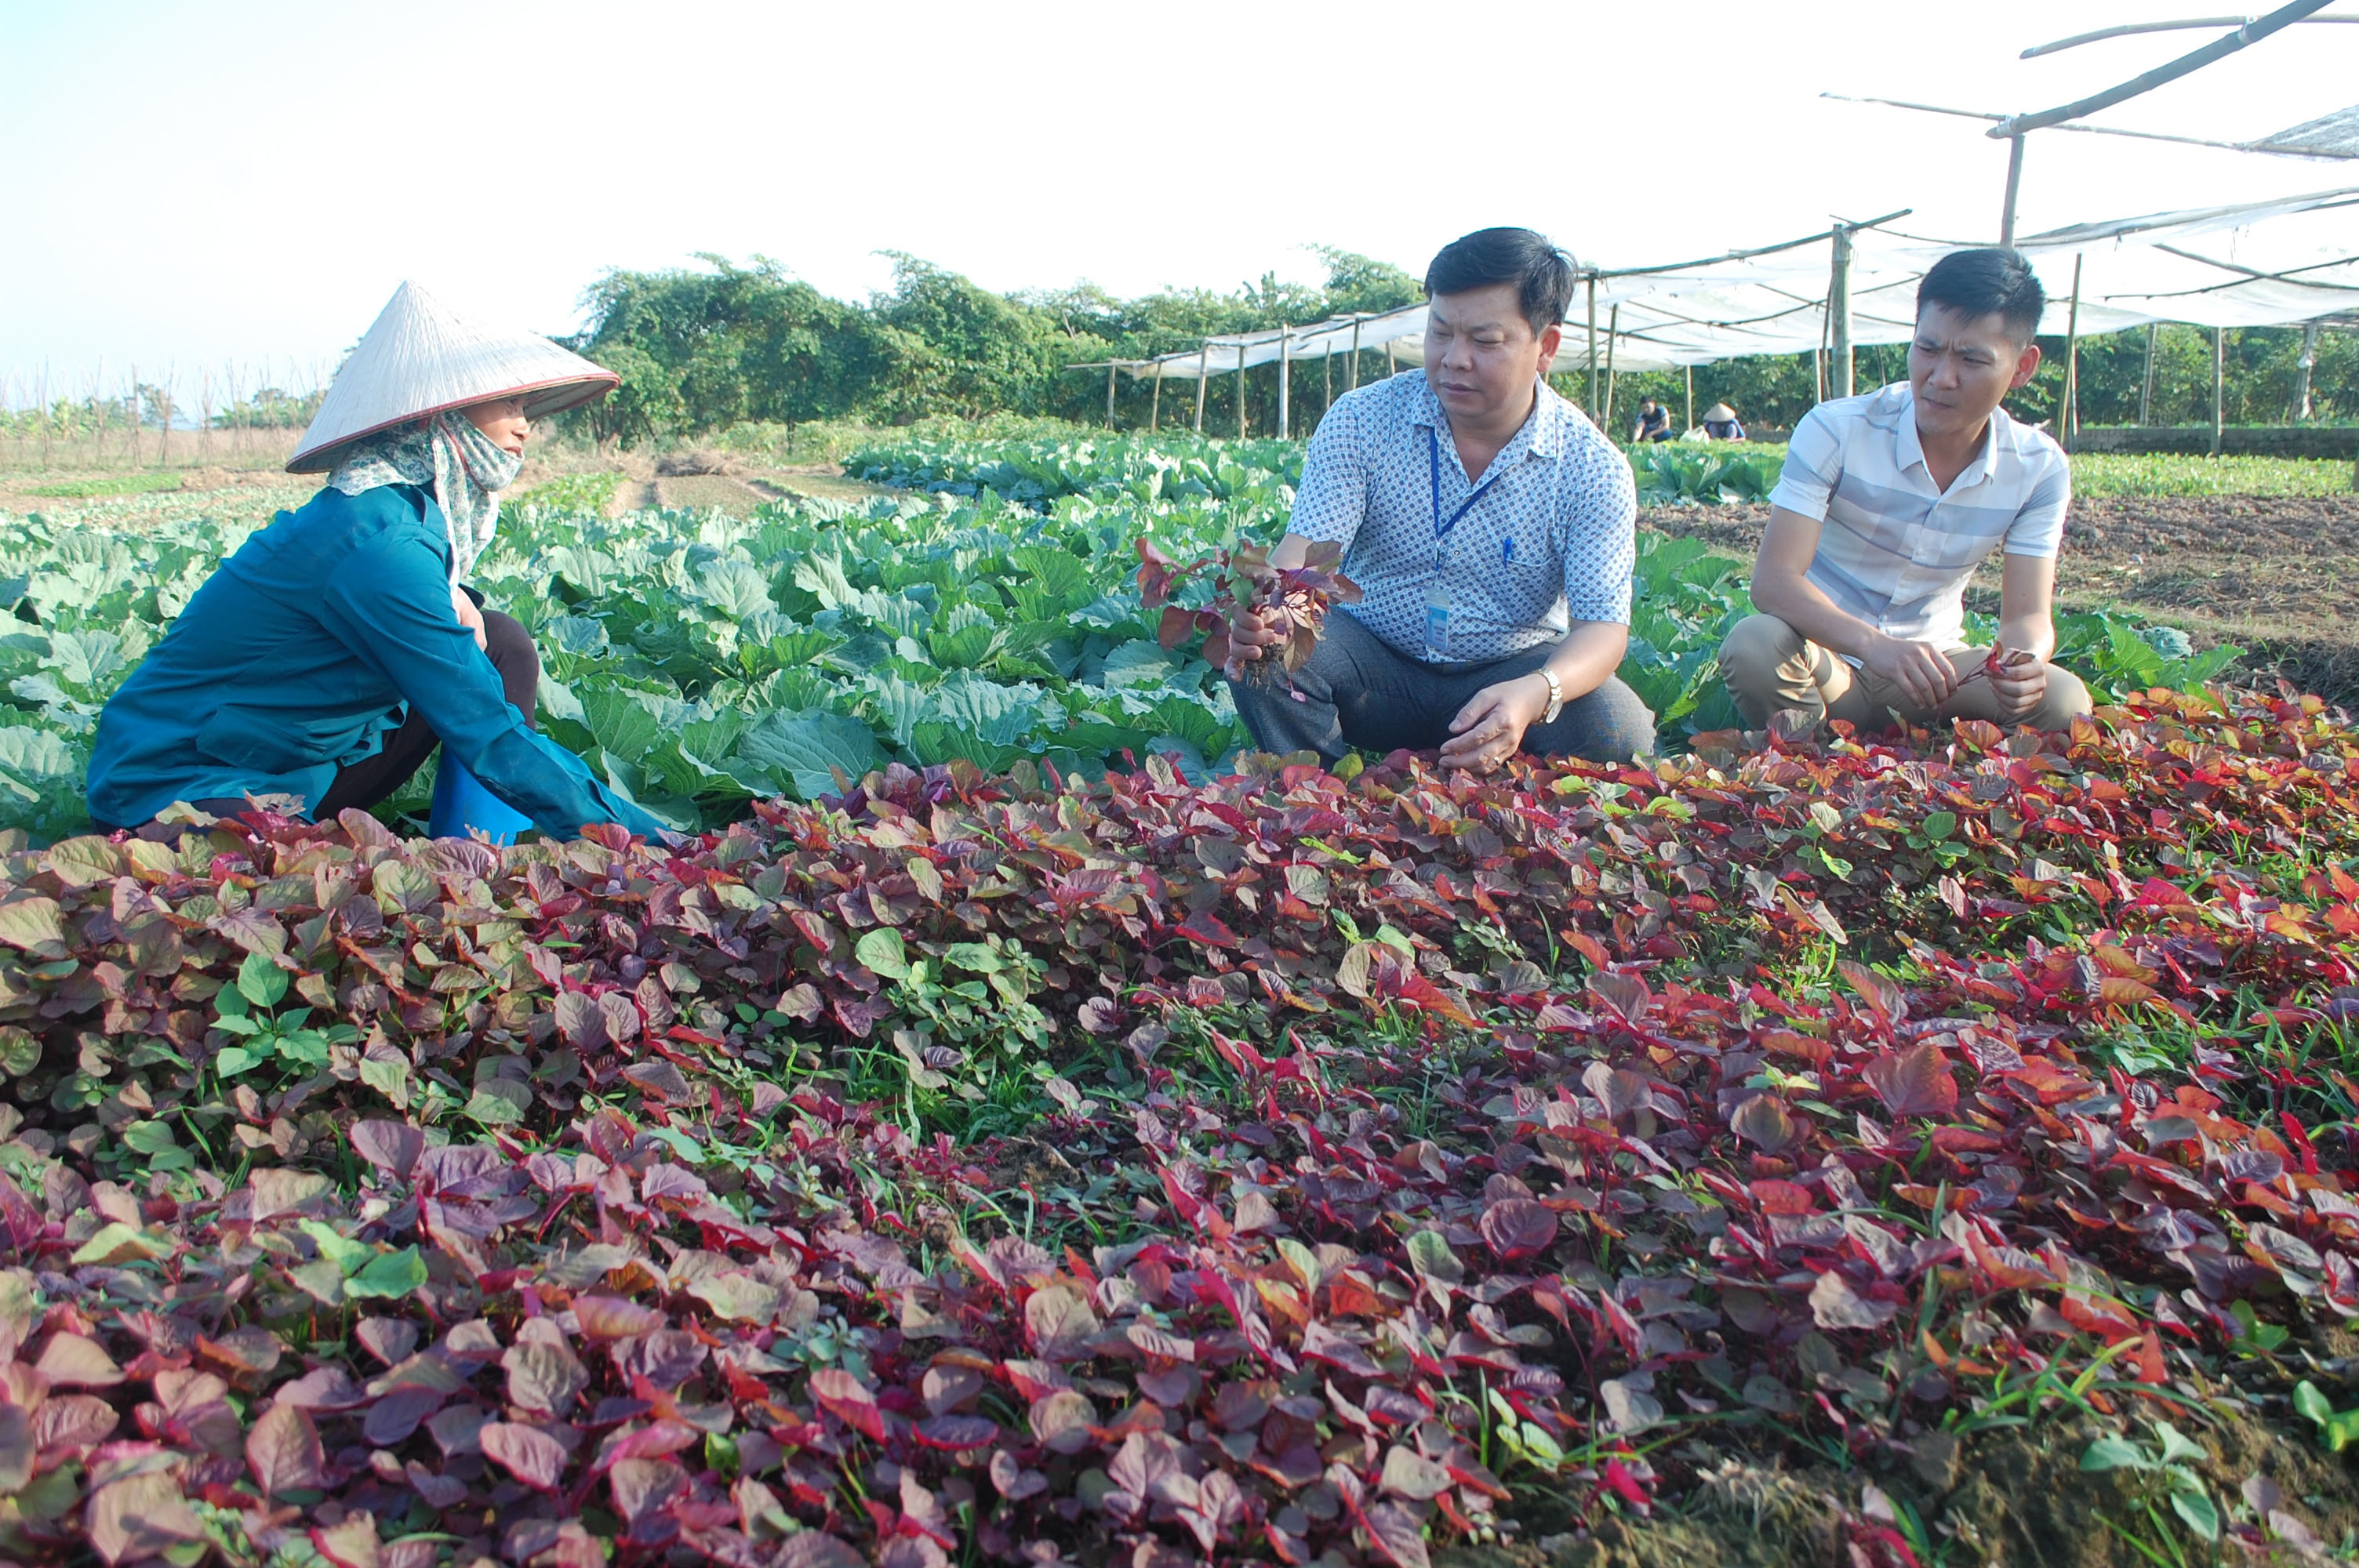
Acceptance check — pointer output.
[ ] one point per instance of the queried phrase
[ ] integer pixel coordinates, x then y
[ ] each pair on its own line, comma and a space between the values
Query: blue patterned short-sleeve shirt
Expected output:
1549, 543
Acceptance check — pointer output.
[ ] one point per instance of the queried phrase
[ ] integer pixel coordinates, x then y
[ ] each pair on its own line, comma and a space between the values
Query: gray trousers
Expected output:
1357, 691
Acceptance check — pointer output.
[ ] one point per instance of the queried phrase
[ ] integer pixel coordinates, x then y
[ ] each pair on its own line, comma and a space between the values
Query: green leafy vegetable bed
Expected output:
1155, 1171
699, 660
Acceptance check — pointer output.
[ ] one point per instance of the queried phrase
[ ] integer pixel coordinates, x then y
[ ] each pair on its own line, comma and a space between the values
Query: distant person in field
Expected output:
1654, 422
1491, 527
1720, 424
1889, 502
331, 654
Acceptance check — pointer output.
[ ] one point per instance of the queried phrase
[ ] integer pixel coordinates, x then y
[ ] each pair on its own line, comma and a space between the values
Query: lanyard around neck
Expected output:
1433, 469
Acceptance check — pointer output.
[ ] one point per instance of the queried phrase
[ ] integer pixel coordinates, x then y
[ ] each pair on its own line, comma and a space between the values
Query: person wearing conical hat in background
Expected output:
1720, 424
338, 648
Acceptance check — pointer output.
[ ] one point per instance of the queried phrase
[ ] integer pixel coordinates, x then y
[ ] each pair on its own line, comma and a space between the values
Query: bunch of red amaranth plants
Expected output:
1423, 1153
1292, 600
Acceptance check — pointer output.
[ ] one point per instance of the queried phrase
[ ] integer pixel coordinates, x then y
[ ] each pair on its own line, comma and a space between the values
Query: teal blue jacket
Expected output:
303, 650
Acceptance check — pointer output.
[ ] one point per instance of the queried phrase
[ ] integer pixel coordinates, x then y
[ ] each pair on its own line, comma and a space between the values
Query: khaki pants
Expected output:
1772, 668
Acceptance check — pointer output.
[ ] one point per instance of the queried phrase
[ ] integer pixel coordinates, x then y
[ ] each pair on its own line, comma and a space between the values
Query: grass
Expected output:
572, 492
112, 484
2098, 474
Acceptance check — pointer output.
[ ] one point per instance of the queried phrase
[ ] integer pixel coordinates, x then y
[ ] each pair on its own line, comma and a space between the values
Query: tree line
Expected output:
702, 349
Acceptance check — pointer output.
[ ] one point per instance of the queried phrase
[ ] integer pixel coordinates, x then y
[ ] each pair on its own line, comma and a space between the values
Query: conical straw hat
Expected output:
1720, 413
420, 359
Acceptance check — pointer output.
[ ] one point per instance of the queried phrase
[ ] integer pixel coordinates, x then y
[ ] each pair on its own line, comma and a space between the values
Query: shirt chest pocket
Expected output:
1942, 550
274, 742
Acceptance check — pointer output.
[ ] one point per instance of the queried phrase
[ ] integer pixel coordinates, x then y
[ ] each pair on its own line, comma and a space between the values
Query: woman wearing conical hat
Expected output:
1720, 424
337, 648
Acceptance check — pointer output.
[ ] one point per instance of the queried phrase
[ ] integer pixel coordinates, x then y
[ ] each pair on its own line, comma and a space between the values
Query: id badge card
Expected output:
1436, 621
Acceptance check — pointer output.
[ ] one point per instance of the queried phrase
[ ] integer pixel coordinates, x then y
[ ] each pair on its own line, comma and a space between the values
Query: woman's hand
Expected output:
469, 616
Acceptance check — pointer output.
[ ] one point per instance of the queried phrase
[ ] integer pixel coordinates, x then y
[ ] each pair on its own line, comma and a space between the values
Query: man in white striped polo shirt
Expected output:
1889, 502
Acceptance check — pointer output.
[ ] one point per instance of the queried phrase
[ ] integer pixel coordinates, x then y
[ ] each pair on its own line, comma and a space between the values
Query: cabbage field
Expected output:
701, 660
1019, 1129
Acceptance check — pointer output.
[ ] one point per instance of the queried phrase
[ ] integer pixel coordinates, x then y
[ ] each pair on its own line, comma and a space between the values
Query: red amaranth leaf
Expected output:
611, 1317
1915, 1082
1518, 1228
528, 1453
847, 1399
1765, 1121
283, 1450
1835, 1304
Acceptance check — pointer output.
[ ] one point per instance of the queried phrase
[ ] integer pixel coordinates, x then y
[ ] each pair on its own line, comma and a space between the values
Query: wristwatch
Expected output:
1556, 695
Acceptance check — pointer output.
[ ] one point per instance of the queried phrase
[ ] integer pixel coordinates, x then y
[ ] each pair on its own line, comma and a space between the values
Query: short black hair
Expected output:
1980, 282
1541, 273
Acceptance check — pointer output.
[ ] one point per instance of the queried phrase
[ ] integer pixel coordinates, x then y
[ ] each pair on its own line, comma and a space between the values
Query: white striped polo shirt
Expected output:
1895, 550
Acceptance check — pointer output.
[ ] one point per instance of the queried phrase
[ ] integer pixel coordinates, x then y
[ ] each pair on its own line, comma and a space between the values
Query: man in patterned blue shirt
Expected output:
1491, 527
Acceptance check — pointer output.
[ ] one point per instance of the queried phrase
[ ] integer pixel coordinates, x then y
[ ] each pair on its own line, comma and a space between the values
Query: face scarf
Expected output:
465, 468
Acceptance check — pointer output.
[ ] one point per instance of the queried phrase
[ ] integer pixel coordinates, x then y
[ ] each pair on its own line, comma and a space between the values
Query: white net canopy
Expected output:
2256, 264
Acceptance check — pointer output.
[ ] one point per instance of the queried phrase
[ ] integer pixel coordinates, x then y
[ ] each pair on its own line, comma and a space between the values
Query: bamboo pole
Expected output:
1204, 382
1613, 330
1353, 379
2072, 420
1285, 381
2304, 366
2146, 387
1111, 373
2218, 384
2014, 185
1155, 399
1691, 424
1591, 409
1241, 391
1327, 368
1839, 313
1392, 360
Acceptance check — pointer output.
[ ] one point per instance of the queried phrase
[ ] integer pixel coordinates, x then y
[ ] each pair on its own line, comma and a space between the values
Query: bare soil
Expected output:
2279, 576
738, 491
2015, 1497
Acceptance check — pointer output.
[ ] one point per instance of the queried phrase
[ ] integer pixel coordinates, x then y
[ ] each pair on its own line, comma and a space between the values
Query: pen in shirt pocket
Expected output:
1507, 550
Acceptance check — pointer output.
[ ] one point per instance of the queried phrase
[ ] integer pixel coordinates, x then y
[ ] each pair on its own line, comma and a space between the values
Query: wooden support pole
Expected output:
1285, 381
1613, 329
1839, 313
2218, 384
1241, 391
1353, 380
1204, 382
1111, 373
1691, 424
1155, 399
2014, 185
1591, 409
2146, 387
2072, 420
1392, 360
1327, 379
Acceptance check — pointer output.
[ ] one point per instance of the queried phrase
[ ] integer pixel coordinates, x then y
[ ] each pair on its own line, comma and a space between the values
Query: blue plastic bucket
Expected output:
462, 807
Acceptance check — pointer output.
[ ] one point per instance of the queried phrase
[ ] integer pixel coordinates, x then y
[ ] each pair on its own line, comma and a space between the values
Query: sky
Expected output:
247, 181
